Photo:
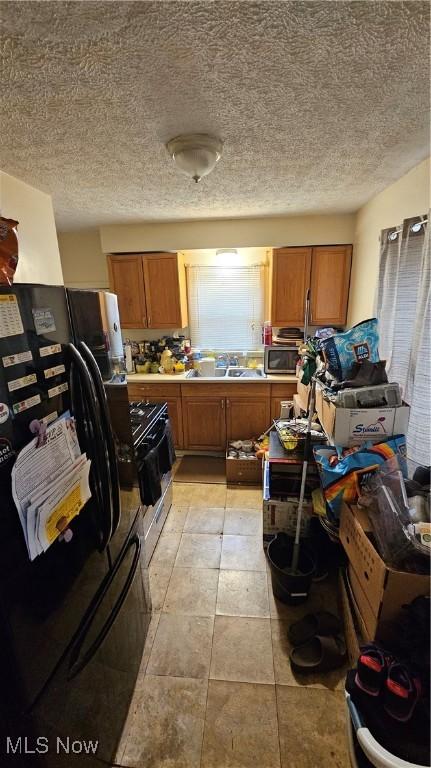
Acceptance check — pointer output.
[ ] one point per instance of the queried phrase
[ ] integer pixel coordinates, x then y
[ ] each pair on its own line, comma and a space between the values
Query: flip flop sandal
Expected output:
371, 669
401, 692
319, 623
319, 654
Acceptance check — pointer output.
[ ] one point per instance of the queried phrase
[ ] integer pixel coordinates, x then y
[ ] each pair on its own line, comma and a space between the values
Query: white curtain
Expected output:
403, 310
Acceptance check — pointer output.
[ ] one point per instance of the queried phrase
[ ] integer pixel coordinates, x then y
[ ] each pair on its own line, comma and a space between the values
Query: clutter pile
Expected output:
399, 510
244, 461
170, 354
244, 449
373, 501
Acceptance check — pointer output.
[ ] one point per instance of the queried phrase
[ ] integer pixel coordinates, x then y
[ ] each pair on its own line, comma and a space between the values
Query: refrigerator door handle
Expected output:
77, 662
99, 467
78, 409
107, 433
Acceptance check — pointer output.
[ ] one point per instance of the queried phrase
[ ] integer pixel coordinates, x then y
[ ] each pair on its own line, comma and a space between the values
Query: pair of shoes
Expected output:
379, 673
318, 644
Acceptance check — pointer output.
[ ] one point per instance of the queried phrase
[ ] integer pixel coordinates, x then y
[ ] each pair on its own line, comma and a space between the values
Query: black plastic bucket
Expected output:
287, 587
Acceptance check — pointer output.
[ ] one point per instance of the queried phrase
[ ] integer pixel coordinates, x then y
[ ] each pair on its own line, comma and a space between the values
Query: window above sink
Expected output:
226, 306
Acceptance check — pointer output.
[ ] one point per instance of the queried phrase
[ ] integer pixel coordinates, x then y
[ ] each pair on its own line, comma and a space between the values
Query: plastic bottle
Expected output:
267, 333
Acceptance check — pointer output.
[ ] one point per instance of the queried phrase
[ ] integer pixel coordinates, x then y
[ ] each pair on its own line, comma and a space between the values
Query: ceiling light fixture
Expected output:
195, 154
226, 252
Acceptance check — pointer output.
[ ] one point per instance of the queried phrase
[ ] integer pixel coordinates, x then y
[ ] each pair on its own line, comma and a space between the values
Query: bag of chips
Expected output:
8, 250
343, 473
342, 350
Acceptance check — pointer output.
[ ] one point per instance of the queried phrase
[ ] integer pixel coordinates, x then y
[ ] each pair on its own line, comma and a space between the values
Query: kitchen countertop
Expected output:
181, 378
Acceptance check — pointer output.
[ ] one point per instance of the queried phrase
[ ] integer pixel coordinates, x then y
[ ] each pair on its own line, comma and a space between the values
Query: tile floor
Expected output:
216, 689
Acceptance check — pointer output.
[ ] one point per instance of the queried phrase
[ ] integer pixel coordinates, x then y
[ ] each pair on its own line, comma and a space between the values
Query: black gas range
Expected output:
145, 457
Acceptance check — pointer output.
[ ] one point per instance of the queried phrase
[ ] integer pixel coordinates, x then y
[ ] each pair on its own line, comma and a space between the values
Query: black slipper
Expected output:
319, 654
319, 623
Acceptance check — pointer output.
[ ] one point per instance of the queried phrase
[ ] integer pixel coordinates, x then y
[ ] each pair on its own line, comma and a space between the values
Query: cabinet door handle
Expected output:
222, 404
149, 319
227, 403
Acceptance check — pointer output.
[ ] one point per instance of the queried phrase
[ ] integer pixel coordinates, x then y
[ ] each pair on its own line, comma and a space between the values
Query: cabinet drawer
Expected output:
284, 390
202, 389
139, 391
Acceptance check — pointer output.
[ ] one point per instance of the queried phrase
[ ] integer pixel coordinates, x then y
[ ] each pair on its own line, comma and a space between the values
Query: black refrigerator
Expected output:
73, 621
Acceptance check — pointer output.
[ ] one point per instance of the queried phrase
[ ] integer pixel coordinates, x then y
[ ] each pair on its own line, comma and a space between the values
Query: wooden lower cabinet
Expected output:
247, 417
280, 392
204, 423
205, 417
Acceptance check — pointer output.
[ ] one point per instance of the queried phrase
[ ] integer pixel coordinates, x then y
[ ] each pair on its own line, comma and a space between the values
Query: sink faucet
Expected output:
227, 360
223, 361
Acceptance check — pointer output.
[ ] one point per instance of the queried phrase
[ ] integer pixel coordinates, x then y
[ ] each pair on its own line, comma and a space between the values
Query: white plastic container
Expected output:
206, 366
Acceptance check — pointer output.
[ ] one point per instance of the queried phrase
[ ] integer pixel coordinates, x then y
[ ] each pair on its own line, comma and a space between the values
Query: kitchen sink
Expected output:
195, 374
233, 372
245, 373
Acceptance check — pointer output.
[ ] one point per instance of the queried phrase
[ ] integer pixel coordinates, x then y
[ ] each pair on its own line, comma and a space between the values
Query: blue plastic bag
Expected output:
342, 477
342, 350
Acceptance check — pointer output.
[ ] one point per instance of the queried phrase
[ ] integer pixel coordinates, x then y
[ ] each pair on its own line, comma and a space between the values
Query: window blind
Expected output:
226, 306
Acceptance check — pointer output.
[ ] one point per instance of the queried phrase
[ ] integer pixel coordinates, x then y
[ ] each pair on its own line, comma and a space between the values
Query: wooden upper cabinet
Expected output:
330, 278
165, 290
126, 279
290, 281
151, 289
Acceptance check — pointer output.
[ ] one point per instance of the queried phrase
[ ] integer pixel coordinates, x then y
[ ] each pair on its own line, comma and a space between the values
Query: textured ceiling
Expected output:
320, 104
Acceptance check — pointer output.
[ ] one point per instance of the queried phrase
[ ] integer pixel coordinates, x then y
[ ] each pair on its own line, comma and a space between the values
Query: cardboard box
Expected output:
354, 638
379, 591
244, 471
352, 426
303, 391
282, 516
297, 410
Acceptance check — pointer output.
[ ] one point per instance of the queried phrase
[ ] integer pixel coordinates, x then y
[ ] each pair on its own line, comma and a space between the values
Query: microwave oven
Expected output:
280, 359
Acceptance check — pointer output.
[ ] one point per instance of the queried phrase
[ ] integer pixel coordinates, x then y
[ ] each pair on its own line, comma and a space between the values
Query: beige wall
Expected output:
39, 257
84, 264
409, 196
226, 233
